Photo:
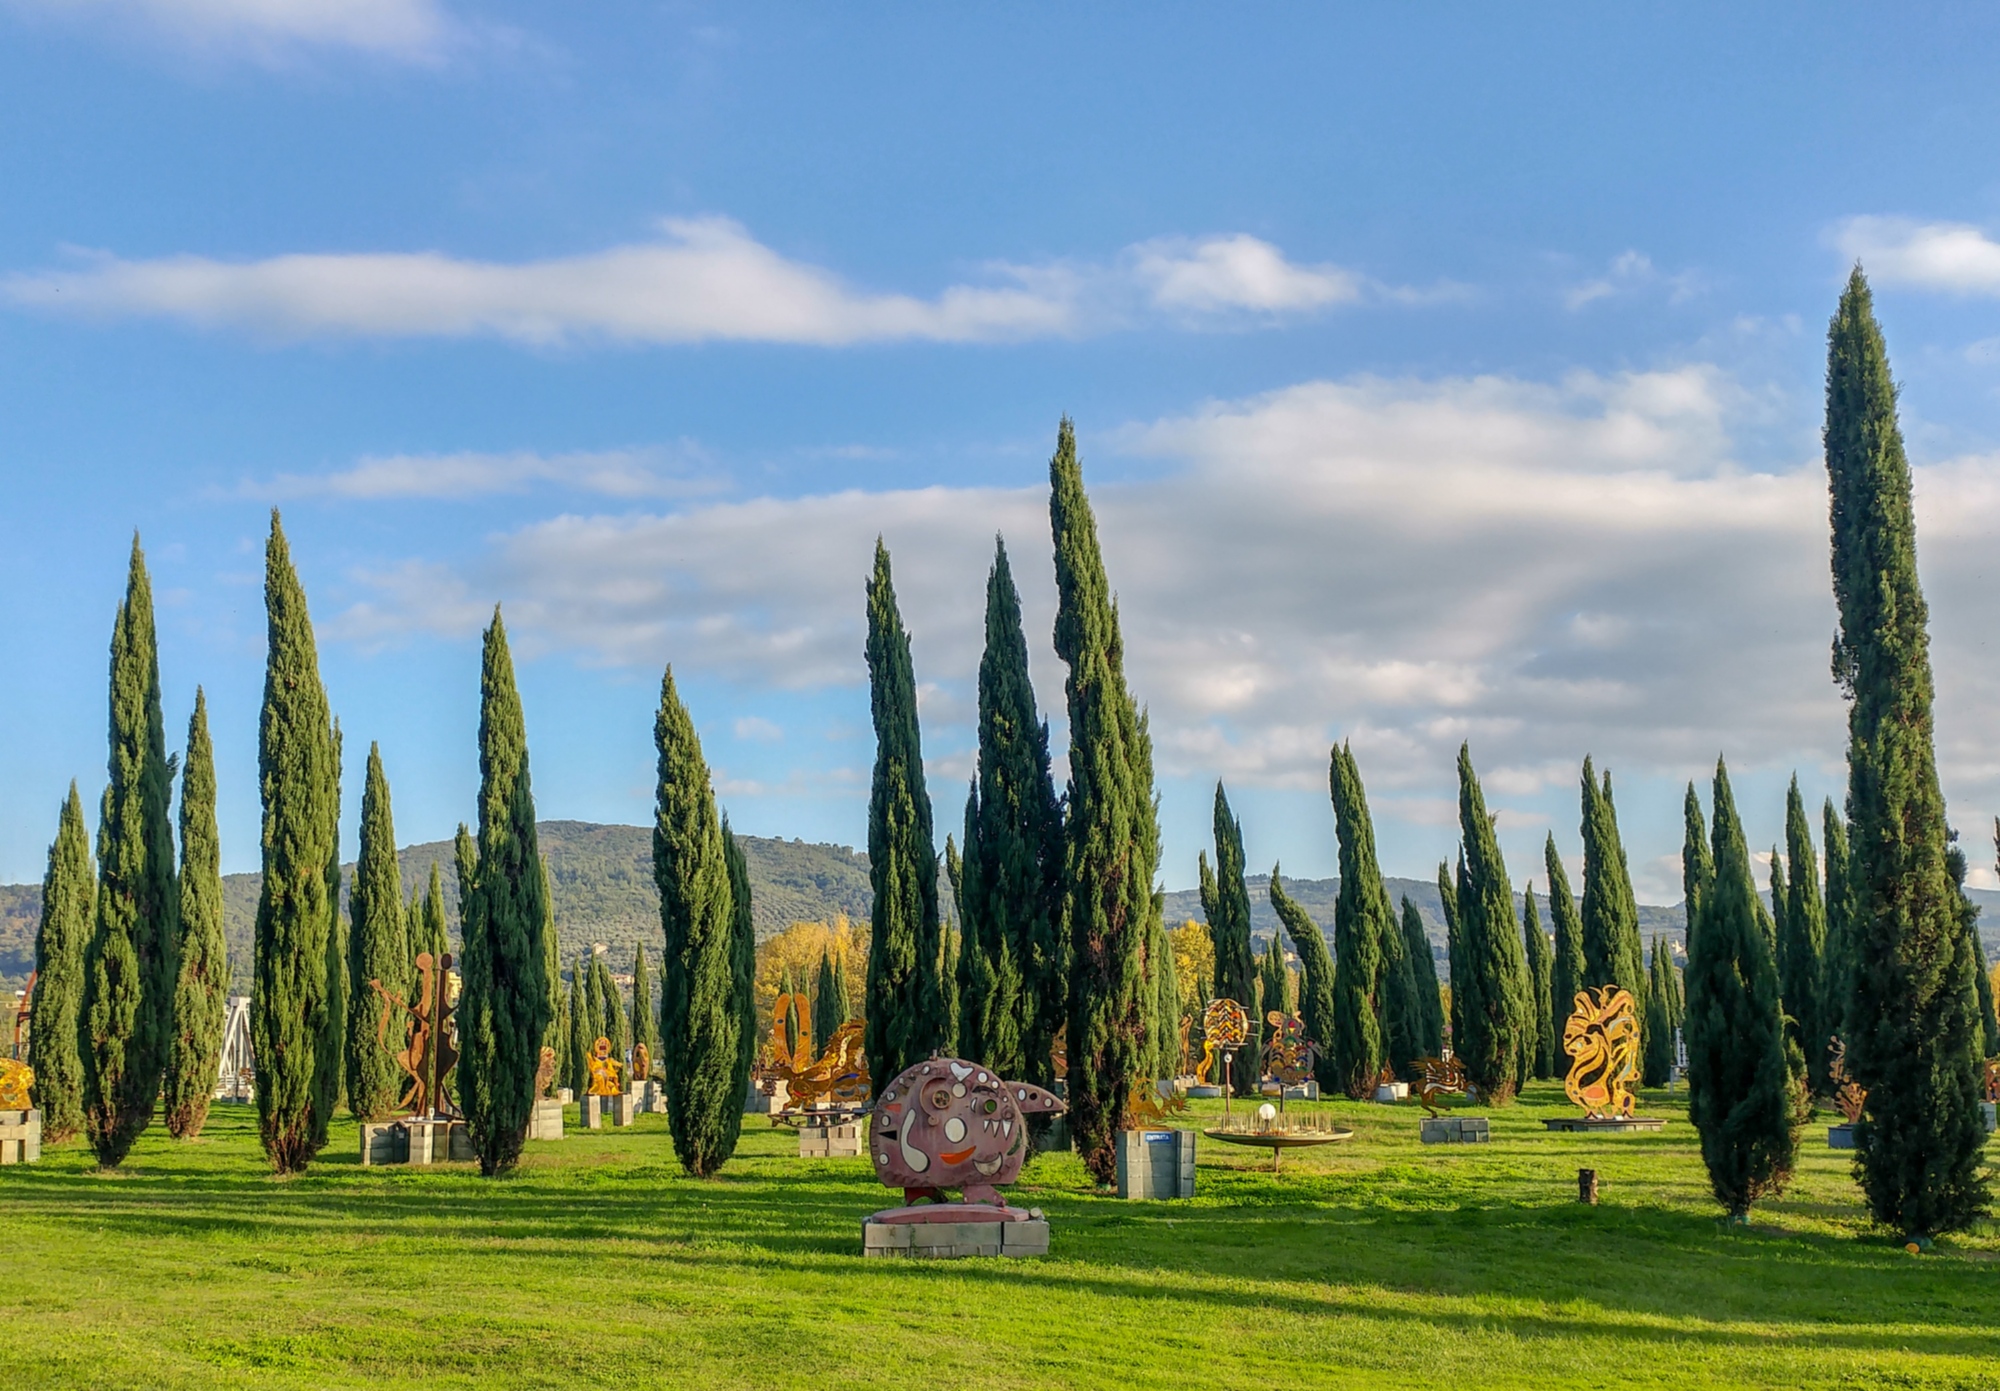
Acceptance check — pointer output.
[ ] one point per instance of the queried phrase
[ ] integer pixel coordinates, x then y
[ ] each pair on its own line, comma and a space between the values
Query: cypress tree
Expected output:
330, 1054
1780, 899
580, 1035
1011, 903
1802, 958
1401, 1010
1912, 1021
1360, 922
1659, 1054
947, 980
840, 994
1316, 975
1612, 952
1454, 958
1837, 967
700, 1015
556, 1033
596, 1021
905, 1014
1166, 992
1272, 980
428, 930
299, 772
826, 1009
742, 991
1566, 966
645, 1023
1112, 842
615, 1027
69, 904
378, 949
1745, 1092
503, 1008
1229, 928
465, 856
1424, 984
1499, 1028
201, 992
1540, 981
129, 965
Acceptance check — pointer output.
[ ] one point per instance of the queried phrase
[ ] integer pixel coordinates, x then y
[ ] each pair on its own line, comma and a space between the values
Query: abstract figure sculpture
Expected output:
1290, 1056
1847, 1093
947, 1123
604, 1070
1602, 1039
1990, 1088
545, 1071
1224, 1026
642, 1063
430, 1049
839, 1075
1439, 1077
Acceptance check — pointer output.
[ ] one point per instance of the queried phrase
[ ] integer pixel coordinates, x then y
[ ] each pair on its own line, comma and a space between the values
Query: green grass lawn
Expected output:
1376, 1263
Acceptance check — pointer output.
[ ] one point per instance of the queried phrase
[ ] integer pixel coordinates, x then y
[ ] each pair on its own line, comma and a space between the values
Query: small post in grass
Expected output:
1586, 1186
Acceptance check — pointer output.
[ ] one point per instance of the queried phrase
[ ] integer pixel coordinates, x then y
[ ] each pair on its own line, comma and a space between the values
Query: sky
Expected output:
1440, 375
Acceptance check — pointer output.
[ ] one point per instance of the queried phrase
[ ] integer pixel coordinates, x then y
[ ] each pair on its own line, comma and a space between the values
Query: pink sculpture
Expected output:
947, 1123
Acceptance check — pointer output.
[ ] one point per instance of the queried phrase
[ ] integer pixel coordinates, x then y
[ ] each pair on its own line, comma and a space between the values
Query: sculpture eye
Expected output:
941, 1098
989, 1106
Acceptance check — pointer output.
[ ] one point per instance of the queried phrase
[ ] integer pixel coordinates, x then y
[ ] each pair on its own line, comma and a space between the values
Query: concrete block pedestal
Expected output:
20, 1136
384, 1142
953, 1240
1455, 1130
598, 1109
546, 1122
1156, 1163
1991, 1111
830, 1141
1393, 1091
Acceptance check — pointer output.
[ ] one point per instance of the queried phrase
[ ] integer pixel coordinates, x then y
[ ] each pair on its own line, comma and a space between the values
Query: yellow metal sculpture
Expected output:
642, 1063
1146, 1107
1224, 1026
839, 1075
15, 1079
604, 1070
790, 1053
1602, 1040
1436, 1077
1848, 1094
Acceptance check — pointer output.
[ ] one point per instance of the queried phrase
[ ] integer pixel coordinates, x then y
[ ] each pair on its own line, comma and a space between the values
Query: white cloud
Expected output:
705, 279
1952, 256
626, 473
1628, 273
406, 30
759, 729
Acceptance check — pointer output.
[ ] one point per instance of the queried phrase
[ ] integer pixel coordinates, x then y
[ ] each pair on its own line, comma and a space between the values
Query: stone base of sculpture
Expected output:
1393, 1091
649, 1098
1840, 1137
1990, 1111
1611, 1124
20, 1136
545, 1122
830, 1141
1156, 1163
427, 1140
617, 1109
1204, 1091
1455, 1130
948, 1231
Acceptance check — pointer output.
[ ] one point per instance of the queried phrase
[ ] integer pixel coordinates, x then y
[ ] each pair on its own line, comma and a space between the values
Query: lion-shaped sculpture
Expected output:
947, 1123
1602, 1039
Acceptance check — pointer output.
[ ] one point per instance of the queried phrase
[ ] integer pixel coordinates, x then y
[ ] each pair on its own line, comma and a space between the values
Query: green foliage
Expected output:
611, 1001
298, 765
1166, 992
378, 950
645, 1018
1697, 863
1454, 948
1112, 847
503, 1008
700, 1010
330, 1053
1612, 951
843, 999
1493, 997
1659, 1045
742, 989
826, 1010
69, 905
1566, 924
1745, 1080
426, 919
1273, 987
129, 966
1802, 945
905, 1014
1360, 922
201, 990
1837, 961
1316, 976
1424, 983
576, 1075
1540, 981
1912, 1022
1229, 929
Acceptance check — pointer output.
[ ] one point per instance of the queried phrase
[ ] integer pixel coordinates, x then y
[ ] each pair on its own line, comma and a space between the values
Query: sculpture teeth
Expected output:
1006, 1127
987, 1167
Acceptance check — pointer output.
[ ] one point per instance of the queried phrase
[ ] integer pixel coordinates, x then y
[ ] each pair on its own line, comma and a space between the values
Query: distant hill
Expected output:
602, 879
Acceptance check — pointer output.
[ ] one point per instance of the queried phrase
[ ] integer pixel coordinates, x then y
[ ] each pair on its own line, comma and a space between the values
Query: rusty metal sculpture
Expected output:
1990, 1087
1848, 1095
1146, 1108
545, 1071
430, 1048
1289, 1058
642, 1063
791, 1050
604, 1070
947, 1123
1437, 1077
838, 1077
1224, 1026
18, 1050
1602, 1039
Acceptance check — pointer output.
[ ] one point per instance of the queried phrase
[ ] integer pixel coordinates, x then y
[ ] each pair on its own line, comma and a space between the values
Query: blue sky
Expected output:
1442, 374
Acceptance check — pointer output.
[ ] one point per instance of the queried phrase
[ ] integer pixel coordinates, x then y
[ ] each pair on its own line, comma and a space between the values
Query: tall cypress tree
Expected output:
330, 1053
378, 949
1912, 1022
1612, 951
1360, 922
1166, 992
840, 991
1454, 956
69, 904
1837, 968
555, 1034
1745, 1080
905, 1015
1566, 966
1010, 906
298, 768
1540, 982
1659, 1047
1229, 930
596, 1020
826, 1010
1424, 984
503, 1007
700, 1019
742, 1002
1316, 975
201, 991
948, 952
428, 930
615, 1027
580, 1036
1499, 1028
465, 857
1112, 846
129, 964
1801, 959
1780, 895
645, 1023
1273, 984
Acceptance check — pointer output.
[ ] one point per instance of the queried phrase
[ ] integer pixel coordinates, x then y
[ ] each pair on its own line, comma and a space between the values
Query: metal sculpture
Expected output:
1271, 1129
1147, 1108
1990, 1088
18, 1050
947, 1123
642, 1063
430, 1050
604, 1069
790, 1048
16, 1077
839, 1076
1437, 1077
1290, 1055
1224, 1026
1602, 1039
545, 1071
1848, 1095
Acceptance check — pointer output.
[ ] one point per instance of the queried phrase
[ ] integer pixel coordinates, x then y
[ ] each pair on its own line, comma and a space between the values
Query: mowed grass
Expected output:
1375, 1263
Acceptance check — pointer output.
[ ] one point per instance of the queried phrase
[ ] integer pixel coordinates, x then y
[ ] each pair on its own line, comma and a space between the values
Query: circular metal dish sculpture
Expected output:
1278, 1133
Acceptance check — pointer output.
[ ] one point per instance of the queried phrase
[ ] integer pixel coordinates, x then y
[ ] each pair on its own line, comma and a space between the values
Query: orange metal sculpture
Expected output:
1602, 1039
1438, 1077
1224, 1026
839, 1075
1848, 1094
430, 1049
